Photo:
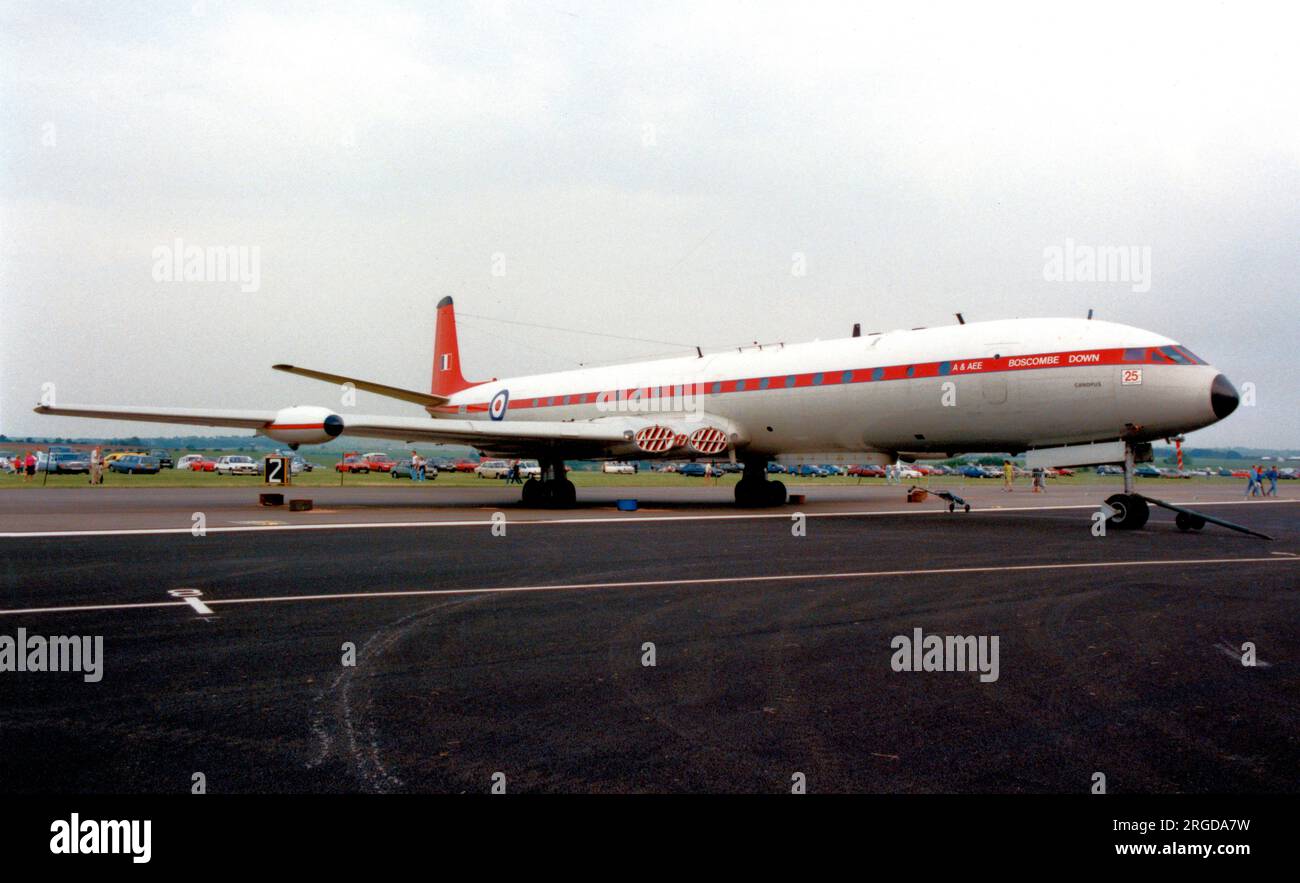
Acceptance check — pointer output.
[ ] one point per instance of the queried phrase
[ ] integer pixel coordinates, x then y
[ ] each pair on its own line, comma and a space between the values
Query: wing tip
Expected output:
281, 367
445, 302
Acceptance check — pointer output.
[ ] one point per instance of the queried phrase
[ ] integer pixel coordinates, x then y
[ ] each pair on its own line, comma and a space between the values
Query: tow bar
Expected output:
1188, 519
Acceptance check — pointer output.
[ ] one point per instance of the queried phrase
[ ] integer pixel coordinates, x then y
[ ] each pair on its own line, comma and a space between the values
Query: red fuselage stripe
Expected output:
946, 368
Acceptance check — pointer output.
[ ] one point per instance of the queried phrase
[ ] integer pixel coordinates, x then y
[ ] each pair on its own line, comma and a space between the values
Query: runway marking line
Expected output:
656, 583
748, 516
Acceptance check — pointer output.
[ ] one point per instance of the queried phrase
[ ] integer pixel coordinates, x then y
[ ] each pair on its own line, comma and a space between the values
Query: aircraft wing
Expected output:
187, 416
379, 389
577, 438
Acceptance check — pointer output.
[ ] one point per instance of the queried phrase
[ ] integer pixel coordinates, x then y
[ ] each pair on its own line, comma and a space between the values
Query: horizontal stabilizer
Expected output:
380, 389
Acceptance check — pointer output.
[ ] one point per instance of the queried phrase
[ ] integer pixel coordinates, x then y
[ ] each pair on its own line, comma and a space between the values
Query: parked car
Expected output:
972, 471
530, 469
68, 463
492, 469
614, 467
1146, 470
353, 462
465, 465
110, 459
379, 462
402, 469
775, 469
698, 470
164, 458
1109, 470
133, 464
808, 470
236, 464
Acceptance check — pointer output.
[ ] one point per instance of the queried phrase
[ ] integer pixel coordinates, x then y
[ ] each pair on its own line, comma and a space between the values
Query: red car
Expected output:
352, 462
379, 462
466, 466
867, 471
204, 465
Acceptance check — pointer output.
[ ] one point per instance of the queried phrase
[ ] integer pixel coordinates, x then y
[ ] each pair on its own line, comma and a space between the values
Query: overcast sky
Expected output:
651, 170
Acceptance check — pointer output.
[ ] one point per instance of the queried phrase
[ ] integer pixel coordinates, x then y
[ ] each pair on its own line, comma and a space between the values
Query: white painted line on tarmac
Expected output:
191, 597
523, 522
659, 583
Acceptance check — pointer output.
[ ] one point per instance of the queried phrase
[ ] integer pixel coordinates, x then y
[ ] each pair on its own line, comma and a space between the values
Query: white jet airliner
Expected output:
1067, 392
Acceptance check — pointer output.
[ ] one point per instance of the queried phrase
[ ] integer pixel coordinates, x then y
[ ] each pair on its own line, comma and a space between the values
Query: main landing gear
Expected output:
1130, 509
754, 490
553, 490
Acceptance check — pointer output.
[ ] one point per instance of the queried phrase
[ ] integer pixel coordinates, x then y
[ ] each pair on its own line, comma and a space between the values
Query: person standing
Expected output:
1040, 484
1271, 475
1008, 476
96, 468
417, 467
30, 463
1251, 485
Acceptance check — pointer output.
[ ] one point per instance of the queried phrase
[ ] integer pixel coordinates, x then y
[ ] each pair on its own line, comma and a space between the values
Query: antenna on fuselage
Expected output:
1089, 312
699, 352
857, 329
960, 320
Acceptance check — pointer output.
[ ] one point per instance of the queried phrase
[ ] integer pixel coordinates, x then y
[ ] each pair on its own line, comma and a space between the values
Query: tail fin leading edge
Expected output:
447, 378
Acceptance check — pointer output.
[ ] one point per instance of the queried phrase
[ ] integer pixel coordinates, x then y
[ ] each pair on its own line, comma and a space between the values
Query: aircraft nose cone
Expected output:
1223, 397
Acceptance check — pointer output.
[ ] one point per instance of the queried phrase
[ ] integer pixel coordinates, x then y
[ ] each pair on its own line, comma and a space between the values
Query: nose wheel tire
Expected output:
1188, 522
1131, 511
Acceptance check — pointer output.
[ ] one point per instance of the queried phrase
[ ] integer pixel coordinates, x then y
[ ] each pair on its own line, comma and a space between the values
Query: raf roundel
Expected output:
498, 405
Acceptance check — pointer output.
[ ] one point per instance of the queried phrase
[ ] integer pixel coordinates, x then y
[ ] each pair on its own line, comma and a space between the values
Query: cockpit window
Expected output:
1173, 355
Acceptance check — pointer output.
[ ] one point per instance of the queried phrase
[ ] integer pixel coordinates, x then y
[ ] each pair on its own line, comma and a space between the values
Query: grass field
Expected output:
327, 477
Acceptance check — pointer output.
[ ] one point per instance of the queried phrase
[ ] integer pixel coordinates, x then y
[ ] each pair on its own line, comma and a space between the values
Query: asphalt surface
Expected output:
1117, 654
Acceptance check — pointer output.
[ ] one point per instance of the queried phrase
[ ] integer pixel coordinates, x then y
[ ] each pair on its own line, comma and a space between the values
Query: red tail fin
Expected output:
447, 378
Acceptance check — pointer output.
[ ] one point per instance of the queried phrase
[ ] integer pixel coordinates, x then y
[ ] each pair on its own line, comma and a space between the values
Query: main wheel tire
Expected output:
1197, 522
532, 493
746, 493
1183, 521
566, 494
775, 494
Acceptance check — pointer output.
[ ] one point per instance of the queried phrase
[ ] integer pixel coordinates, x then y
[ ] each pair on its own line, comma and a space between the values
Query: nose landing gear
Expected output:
1130, 510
